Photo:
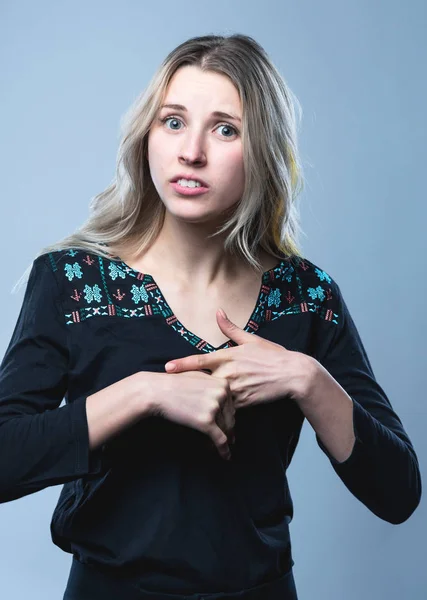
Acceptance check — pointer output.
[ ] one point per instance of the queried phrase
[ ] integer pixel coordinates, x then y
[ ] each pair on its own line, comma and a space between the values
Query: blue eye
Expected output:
227, 125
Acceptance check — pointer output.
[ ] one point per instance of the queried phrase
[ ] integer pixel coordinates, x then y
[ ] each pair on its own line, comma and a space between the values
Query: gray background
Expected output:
70, 70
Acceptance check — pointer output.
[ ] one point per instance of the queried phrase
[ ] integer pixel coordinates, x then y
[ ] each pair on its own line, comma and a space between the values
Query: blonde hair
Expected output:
128, 214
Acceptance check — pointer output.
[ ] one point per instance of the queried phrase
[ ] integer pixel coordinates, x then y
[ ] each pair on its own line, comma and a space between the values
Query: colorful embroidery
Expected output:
316, 292
322, 275
138, 293
92, 293
72, 271
285, 290
274, 297
115, 271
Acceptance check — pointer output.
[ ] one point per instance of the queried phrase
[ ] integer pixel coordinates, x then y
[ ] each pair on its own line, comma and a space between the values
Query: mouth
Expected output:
188, 191
191, 177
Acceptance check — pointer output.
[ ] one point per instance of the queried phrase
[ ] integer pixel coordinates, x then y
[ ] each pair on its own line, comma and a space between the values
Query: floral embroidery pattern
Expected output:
274, 297
289, 288
72, 271
115, 271
322, 275
92, 293
138, 293
316, 292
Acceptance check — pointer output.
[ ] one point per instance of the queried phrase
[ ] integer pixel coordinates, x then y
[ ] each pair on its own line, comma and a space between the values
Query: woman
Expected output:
175, 480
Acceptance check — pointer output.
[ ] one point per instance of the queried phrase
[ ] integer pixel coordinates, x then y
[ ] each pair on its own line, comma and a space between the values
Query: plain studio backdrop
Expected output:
68, 73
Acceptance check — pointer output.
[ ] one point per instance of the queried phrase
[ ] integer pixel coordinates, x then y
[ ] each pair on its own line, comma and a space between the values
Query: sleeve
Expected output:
41, 443
382, 470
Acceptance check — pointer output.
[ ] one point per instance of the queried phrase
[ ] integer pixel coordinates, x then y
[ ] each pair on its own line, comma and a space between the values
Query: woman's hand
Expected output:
257, 370
196, 400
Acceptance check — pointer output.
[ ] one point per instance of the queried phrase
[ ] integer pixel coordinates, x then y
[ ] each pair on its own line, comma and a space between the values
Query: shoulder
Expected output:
71, 268
59, 261
314, 276
323, 288
73, 264
90, 284
307, 273
307, 287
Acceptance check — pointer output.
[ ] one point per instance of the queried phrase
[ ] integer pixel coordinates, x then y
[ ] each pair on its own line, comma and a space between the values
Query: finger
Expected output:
198, 362
220, 420
225, 415
220, 440
225, 421
228, 412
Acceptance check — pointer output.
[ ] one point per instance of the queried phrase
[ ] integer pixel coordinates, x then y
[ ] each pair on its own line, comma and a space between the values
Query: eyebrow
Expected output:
217, 113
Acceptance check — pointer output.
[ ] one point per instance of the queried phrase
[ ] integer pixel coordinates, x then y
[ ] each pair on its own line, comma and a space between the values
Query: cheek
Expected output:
157, 157
232, 170
233, 160
153, 147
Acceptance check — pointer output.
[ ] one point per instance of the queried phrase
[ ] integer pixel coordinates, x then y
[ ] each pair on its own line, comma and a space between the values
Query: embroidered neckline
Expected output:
91, 293
256, 318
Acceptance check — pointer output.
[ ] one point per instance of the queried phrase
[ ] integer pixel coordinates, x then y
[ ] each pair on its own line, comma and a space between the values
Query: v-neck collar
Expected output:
256, 318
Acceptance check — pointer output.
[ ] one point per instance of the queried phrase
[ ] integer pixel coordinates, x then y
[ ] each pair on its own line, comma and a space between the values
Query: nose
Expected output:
193, 150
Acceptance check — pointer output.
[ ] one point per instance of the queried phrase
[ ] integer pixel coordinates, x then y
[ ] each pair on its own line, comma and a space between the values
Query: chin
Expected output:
196, 216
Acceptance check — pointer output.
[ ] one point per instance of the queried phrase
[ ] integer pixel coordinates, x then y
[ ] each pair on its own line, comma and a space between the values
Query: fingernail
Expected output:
222, 313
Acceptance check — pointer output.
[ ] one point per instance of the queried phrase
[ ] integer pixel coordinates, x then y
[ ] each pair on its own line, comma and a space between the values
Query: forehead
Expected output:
190, 86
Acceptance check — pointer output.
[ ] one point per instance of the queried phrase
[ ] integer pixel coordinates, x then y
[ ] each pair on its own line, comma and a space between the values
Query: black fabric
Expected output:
156, 504
89, 583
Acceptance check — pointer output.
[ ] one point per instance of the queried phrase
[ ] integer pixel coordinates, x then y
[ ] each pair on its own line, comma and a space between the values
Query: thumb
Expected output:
231, 330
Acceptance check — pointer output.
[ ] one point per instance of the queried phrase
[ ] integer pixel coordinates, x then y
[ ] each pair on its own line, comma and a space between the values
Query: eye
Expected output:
176, 119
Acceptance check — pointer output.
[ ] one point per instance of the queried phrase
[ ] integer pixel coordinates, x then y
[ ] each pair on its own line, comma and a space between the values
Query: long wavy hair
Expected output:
128, 215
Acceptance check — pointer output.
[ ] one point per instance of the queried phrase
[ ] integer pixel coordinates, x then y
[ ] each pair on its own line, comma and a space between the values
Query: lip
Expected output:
189, 176
196, 191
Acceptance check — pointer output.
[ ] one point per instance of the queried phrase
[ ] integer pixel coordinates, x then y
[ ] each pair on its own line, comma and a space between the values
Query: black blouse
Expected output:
157, 500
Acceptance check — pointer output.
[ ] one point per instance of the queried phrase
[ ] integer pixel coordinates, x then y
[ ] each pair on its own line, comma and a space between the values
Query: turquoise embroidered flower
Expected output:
322, 275
115, 271
274, 297
318, 292
285, 273
72, 271
139, 293
92, 293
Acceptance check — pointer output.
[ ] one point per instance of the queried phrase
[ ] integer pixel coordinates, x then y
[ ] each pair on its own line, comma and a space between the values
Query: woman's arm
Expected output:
41, 442
329, 410
115, 408
355, 424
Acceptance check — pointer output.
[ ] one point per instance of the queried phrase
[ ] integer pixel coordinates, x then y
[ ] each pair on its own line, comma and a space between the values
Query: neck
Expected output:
184, 252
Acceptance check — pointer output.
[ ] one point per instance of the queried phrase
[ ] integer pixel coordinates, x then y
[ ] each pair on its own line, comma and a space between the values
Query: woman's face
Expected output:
195, 142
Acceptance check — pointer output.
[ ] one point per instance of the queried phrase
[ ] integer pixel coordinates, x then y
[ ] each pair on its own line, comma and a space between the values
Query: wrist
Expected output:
307, 373
142, 398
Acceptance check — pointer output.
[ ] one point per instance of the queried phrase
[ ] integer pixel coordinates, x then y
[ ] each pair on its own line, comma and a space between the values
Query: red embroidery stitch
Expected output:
76, 296
119, 295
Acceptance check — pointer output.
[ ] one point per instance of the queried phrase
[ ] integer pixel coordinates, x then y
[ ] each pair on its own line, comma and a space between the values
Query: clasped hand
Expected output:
256, 370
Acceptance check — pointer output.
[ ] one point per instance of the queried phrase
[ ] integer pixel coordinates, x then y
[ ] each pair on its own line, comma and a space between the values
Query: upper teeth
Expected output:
189, 183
